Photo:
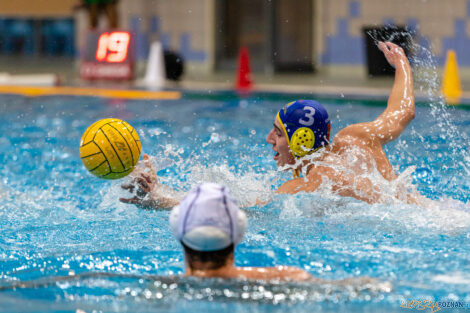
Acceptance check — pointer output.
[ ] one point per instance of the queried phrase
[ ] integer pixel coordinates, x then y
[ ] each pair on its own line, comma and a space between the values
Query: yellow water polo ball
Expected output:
110, 148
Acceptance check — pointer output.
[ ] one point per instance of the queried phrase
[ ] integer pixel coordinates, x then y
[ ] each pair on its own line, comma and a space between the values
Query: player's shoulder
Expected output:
300, 184
353, 130
360, 134
273, 273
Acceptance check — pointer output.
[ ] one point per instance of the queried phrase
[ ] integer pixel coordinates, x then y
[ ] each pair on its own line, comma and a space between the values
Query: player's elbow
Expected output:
409, 114
412, 108
302, 276
405, 121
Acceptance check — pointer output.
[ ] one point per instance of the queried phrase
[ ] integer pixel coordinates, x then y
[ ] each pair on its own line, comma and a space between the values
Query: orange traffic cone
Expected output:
244, 81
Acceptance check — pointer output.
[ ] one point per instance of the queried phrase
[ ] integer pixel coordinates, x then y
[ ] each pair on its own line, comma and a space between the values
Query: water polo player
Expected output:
345, 164
209, 224
306, 128
355, 152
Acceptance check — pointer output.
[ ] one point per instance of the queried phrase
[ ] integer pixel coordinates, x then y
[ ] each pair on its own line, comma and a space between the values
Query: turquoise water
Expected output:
67, 244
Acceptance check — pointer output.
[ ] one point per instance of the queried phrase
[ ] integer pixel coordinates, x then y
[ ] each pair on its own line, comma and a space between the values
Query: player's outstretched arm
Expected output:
279, 273
149, 193
400, 109
400, 106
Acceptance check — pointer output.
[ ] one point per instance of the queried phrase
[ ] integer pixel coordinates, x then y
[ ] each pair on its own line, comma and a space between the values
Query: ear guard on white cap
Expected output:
206, 237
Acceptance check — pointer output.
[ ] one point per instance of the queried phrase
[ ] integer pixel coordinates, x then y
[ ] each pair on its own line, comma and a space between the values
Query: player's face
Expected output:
278, 139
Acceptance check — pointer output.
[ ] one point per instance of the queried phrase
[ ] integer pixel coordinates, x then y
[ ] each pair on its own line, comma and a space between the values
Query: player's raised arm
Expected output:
400, 106
401, 102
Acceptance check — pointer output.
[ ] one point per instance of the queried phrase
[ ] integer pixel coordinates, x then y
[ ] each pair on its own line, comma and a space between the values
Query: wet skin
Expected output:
229, 270
356, 151
346, 165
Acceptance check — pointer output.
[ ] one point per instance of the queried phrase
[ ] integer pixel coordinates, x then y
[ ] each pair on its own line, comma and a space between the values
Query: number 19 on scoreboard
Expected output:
108, 55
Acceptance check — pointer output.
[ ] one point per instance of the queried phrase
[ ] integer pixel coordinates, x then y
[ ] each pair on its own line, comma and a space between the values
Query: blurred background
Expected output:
323, 41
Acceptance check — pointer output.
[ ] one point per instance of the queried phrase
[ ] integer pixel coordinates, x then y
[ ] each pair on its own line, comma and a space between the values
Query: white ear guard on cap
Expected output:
208, 219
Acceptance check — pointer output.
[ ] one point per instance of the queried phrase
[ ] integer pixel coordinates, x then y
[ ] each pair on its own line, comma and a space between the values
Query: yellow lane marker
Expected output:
31, 91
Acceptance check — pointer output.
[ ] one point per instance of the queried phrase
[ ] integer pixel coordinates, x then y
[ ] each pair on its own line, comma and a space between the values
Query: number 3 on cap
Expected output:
308, 115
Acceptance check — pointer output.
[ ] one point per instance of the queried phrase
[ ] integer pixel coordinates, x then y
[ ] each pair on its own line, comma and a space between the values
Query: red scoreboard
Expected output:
108, 55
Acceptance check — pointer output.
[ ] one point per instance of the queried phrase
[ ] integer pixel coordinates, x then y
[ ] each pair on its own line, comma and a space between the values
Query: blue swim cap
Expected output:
306, 125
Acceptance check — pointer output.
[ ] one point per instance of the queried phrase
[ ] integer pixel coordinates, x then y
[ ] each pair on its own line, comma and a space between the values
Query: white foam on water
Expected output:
399, 250
458, 278
114, 208
362, 167
4, 191
248, 188
445, 215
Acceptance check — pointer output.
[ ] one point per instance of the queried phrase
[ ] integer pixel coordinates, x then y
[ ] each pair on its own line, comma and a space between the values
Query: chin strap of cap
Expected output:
296, 173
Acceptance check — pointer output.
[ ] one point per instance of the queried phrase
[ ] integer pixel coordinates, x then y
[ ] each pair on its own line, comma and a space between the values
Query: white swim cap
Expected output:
208, 219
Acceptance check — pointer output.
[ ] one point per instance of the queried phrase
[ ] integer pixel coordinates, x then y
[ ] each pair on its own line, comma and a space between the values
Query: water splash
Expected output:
454, 143
58, 219
247, 188
446, 215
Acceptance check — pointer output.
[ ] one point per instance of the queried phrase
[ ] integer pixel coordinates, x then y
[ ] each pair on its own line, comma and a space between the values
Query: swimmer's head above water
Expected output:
300, 128
209, 225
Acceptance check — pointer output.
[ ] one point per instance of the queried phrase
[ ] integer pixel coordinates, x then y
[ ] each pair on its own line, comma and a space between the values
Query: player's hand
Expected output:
142, 186
392, 52
144, 180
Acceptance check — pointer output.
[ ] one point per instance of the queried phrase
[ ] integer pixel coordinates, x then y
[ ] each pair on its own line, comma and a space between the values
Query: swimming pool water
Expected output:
67, 244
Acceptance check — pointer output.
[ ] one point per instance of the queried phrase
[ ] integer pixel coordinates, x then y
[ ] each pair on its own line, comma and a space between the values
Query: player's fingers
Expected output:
129, 187
147, 161
382, 46
399, 51
143, 184
146, 177
133, 200
394, 48
387, 53
141, 194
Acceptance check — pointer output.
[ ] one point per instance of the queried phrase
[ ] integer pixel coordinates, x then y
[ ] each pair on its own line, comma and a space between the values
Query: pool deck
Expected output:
341, 82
